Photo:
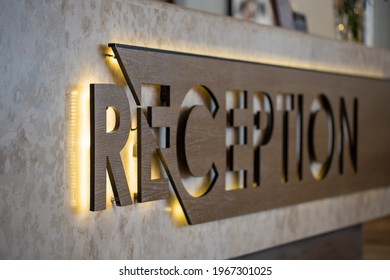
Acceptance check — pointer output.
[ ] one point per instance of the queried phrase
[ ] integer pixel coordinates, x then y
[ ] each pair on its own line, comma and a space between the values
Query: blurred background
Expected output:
362, 21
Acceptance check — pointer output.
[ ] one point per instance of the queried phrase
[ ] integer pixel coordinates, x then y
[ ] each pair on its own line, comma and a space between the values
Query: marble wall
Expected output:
52, 50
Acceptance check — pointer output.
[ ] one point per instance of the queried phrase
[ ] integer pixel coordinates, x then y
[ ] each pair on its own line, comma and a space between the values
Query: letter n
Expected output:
106, 146
350, 131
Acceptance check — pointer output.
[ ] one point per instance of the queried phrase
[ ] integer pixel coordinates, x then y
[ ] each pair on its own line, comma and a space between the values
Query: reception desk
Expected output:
53, 52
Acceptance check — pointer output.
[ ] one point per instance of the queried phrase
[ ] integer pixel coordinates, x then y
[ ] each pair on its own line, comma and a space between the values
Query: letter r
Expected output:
106, 146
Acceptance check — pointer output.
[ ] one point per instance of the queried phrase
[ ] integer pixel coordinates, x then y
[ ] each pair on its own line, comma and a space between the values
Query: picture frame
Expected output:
283, 13
300, 22
259, 11
286, 17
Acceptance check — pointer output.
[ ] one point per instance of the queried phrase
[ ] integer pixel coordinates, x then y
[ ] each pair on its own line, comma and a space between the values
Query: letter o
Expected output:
319, 169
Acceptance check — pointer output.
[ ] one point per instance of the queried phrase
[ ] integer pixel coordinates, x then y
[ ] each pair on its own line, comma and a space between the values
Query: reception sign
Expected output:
236, 137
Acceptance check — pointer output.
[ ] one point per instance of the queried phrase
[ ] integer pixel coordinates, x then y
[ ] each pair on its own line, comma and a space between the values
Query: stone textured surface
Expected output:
53, 48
